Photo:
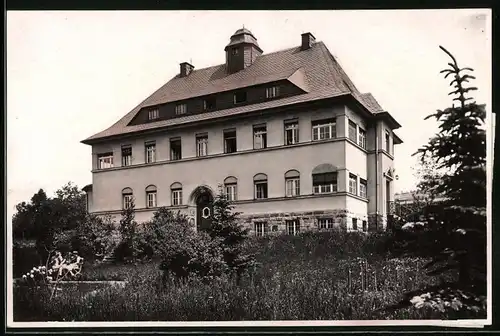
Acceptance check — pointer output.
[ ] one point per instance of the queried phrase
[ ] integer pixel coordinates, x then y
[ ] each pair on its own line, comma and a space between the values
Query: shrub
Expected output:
96, 237
128, 249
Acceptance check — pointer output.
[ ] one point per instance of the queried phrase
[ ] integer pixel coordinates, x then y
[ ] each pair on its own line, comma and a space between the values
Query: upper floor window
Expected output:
325, 223
259, 136
127, 198
240, 97
362, 138
353, 131
176, 193
362, 188
388, 141
365, 226
230, 188
153, 114
202, 145
209, 104
272, 92
260, 229
105, 160
260, 183
235, 51
126, 155
150, 152
151, 196
229, 141
291, 132
324, 129
175, 149
324, 179
292, 183
180, 109
353, 184
355, 224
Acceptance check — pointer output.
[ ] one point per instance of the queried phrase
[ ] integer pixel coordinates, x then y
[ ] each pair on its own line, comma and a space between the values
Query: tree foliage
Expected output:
459, 152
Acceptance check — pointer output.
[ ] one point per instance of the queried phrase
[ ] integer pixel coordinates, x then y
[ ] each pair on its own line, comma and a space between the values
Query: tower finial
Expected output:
243, 26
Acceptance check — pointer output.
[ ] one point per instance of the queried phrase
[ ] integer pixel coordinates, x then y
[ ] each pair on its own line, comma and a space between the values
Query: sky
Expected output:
73, 74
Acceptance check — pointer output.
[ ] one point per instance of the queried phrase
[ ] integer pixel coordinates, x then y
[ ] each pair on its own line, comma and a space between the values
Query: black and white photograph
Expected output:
249, 168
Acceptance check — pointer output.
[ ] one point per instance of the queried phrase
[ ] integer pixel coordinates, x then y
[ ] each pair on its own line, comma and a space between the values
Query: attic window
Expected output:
209, 104
235, 51
153, 114
272, 92
180, 109
240, 97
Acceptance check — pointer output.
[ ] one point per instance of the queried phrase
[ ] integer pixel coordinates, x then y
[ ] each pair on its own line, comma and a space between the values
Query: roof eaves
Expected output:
389, 118
208, 117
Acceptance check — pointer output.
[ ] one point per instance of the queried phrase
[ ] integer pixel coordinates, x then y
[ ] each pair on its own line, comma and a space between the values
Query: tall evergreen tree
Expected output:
459, 150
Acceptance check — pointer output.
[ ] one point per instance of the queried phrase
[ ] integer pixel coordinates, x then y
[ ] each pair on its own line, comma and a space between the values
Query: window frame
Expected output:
291, 126
102, 157
353, 184
127, 198
294, 224
155, 199
272, 92
176, 194
243, 94
352, 126
206, 107
228, 135
231, 191
259, 132
126, 159
153, 114
262, 232
363, 184
362, 138
325, 124
387, 141
354, 224
147, 146
180, 108
294, 188
172, 156
326, 223
325, 188
201, 145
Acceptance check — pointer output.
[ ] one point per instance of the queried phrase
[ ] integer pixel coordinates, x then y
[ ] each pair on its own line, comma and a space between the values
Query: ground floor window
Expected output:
325, 223
293, 227
260, 229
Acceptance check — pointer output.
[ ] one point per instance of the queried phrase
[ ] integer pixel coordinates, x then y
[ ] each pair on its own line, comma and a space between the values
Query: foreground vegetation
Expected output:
315, 276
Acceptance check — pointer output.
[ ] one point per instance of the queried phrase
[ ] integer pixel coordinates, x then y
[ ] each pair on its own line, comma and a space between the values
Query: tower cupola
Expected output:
241, 51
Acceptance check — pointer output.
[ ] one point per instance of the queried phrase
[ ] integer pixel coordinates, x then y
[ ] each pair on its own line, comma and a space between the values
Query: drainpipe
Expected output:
376, 176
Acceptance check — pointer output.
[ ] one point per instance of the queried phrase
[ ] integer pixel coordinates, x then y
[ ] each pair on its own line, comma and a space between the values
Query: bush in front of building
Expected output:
96, 238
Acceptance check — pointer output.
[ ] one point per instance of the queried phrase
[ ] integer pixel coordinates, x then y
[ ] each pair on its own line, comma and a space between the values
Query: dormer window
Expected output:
180, 109
240, 97
153, 114
272, 92
209, 104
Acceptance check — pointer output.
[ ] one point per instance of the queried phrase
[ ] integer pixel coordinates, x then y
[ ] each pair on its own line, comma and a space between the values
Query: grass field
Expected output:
322, 276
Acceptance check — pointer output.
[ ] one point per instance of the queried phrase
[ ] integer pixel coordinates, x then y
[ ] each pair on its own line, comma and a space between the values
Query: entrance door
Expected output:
204, 210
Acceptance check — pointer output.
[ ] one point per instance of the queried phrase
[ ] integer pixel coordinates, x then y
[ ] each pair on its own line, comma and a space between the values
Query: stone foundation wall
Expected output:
276, 222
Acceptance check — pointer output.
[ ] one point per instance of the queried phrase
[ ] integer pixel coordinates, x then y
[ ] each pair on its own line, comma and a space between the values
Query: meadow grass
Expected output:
322, 276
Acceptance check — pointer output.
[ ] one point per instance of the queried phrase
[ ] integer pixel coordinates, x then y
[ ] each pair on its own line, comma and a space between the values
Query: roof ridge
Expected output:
263, 55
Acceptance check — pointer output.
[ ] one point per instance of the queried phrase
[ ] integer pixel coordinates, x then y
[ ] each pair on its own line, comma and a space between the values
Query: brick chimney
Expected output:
307, 41
186, 69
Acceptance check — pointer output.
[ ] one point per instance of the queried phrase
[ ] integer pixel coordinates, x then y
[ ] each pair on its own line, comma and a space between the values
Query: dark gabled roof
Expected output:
314, 70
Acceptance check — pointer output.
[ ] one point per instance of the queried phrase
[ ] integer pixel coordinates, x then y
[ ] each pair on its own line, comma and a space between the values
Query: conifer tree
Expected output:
459, 150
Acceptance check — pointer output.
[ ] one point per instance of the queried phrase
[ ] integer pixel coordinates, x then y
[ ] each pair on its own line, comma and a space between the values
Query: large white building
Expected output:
293, 142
